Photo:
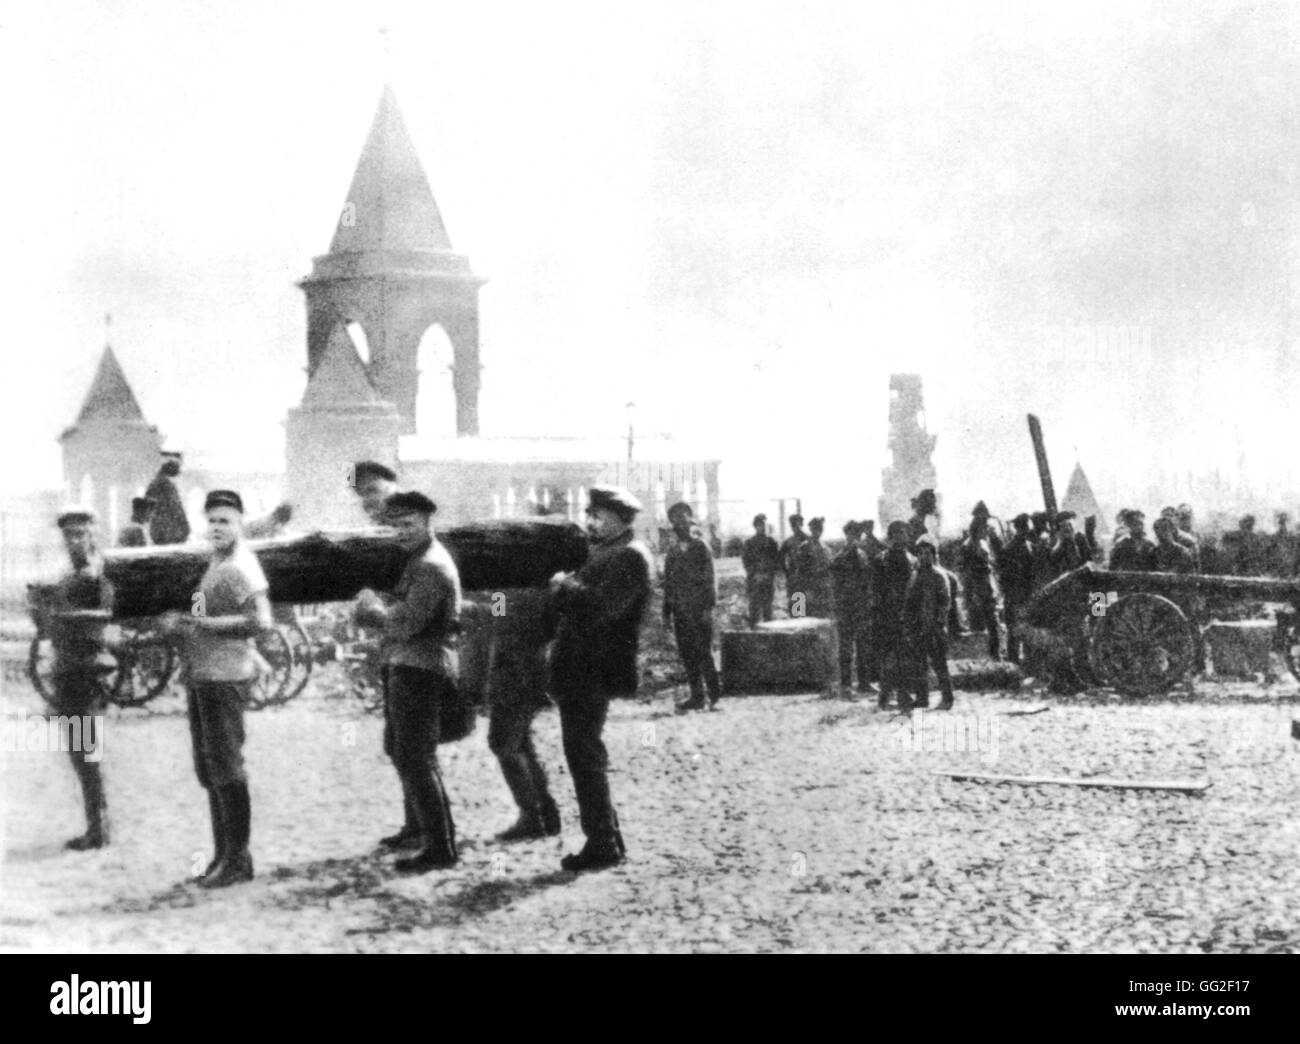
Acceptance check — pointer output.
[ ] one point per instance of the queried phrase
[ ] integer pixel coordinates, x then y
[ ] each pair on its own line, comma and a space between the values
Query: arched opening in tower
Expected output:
435, 403
358, 334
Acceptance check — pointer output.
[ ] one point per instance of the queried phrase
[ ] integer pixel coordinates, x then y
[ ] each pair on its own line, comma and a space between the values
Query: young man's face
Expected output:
681, 523
79, 540
225, 525
373, 492
412, 529
760, 529
603, 524
796, 526
925, 555
171, 467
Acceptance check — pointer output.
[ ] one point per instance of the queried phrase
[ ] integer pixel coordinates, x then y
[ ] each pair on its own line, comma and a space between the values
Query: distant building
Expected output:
911, 450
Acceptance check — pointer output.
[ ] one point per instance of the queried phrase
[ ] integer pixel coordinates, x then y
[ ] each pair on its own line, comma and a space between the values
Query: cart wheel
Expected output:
271, 686
40, 669
40, 666
303, 656
1142, 646
147, 661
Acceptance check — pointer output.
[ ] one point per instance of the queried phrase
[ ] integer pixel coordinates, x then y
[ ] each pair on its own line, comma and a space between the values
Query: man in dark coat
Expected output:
814, 570
1134, 552
690, 594
73, 614
979, 553
925, 612
599, 611
761, 558
894, 571
1016, 571
169, 524
790, 562
853, 580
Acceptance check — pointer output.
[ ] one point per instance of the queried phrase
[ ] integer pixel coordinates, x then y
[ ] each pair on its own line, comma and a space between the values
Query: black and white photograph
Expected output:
679, 478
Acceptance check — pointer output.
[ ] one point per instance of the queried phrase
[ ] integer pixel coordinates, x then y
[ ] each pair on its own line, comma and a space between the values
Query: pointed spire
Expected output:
1079, 497
110, 396
340, 379
390, 205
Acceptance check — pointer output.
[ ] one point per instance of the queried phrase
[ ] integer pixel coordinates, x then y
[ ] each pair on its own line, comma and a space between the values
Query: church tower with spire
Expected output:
111, 452
391, 269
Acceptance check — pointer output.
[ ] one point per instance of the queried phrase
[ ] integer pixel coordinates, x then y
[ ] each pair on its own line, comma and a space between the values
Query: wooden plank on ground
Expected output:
1020, 712
1186, 786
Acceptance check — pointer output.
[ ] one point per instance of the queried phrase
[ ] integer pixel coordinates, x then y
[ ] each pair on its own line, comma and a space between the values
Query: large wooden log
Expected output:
333, 567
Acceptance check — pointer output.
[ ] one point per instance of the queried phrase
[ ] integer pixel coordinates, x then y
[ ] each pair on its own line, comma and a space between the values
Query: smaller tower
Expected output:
911, 450
342, 419
110, 453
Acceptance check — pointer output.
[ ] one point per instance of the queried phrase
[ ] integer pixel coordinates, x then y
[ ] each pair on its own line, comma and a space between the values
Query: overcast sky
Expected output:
742, 217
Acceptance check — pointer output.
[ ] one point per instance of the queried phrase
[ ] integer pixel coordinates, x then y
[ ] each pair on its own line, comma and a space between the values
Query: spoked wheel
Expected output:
303, 655
272, 685
1143, 645
146, 661
40, 669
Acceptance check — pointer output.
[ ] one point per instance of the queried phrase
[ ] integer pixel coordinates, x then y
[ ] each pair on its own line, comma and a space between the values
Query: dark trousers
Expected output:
761, 593
510, 738
1013, 608
931, 650
582, 719
855, 644
983, 606
413, 701
80, 695
694, 634
216, 711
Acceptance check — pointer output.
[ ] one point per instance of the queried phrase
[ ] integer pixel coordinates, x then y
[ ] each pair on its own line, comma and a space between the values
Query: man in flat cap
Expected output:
420, 622
169, 524
136, 532
761, 558
813, 565
373, 483
790, 561
230, 609
599, 610
690, 594
73, 614
1016, 571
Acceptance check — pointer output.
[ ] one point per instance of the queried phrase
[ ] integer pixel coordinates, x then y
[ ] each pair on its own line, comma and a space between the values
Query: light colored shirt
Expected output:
227, 586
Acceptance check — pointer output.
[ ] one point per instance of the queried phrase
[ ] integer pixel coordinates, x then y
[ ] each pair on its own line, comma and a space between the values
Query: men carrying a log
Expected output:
136, 532
893, 575
761, 558
420, 621
690, 594
169, 524
374, 483
925, 613
853, 576
73, 614
599, 610
1016, 571
230, 608
790, 562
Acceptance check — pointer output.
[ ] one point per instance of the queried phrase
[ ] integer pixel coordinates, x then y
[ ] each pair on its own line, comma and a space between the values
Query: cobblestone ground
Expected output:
775, 823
